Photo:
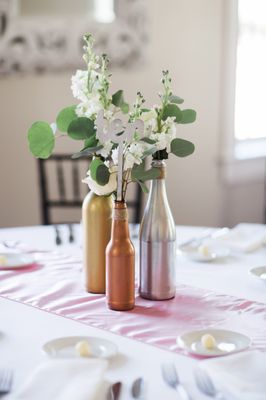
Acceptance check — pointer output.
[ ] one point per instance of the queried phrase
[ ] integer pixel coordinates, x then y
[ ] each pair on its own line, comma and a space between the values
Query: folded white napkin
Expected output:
243, 237
64, 379
241, 375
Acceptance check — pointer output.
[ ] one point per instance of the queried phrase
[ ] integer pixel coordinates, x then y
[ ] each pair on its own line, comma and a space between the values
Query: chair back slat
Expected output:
75, 181
68, 186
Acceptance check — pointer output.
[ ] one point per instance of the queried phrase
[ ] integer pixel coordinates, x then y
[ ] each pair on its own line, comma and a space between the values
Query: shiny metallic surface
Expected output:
96, 223
157, 243
120, 262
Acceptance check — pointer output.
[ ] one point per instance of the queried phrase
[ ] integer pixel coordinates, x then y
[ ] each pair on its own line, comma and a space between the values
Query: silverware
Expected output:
58, 240
71, 238
205, 385
114, 391
11, 244
137, 388
209, 234
170, 376
6, 377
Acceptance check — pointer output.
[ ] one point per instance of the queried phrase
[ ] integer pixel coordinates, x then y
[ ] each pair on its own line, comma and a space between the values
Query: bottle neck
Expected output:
158, 185
120, 228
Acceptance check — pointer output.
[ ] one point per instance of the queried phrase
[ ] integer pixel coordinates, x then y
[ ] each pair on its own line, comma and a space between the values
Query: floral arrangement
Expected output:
153, 130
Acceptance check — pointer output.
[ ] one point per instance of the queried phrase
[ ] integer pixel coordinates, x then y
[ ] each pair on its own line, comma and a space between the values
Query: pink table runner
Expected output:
56, 286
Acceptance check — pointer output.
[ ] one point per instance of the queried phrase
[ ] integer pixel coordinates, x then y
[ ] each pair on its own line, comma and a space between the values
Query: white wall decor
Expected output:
39, 43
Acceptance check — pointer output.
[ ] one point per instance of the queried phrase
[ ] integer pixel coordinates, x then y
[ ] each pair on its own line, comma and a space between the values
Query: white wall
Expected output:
186, 38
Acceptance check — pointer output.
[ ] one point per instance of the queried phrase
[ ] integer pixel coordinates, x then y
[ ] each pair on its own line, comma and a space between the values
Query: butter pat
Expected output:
208, 341
3, 260
83, 349
204, 251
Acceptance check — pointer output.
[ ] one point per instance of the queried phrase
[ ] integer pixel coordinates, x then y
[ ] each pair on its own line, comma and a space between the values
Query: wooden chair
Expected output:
61, 189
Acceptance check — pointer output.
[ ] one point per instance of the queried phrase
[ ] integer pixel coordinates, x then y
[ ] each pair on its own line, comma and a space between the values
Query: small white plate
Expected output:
65, 347
227, 342
259, 272
15, 260
212, 253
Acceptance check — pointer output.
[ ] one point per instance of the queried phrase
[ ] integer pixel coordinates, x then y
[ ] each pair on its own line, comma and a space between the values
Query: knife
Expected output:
114, 391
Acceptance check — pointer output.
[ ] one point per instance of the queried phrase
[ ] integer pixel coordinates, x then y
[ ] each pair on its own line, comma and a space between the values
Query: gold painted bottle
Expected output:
96, 221
120, 262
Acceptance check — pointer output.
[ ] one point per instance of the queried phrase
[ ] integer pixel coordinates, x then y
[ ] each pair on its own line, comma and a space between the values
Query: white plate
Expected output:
259, 272
65, 347
212, 253
227, 342
15, 260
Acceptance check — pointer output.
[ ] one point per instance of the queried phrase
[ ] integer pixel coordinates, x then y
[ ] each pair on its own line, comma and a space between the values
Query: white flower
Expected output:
79, 85
104, 190
105, 151
89, 107
134, 155
163, 140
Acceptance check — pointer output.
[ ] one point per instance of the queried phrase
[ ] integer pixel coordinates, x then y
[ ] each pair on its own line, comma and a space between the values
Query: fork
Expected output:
206, 385
170, 376
6, 376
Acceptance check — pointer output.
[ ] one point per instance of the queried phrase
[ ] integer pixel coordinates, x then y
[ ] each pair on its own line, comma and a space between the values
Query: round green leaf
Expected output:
188, 116
41, 139
99, 172
93, 167
176, 99
102, 175
64, 118
139, 173
81, 128
181, 147
172, 110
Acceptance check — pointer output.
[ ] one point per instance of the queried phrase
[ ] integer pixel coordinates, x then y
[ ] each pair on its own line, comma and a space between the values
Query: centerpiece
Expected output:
117, 139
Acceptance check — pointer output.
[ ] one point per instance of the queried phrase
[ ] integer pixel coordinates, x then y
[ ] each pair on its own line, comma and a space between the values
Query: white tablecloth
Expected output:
23, 329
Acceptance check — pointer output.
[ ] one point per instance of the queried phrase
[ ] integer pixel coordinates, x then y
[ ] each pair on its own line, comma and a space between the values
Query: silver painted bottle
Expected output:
157, 243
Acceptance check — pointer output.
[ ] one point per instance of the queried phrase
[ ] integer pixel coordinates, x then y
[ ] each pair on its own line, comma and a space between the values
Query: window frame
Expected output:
238, 163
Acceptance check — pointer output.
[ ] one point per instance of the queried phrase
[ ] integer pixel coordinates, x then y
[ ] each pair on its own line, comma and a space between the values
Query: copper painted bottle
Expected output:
120, 262
96, 222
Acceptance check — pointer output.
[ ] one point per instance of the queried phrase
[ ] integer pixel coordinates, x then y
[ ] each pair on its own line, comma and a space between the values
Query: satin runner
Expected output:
55, 284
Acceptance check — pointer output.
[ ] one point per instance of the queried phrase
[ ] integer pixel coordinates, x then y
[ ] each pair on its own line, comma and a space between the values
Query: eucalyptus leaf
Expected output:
91, 142
149, 152
41, 139
87, 152
81, 128
172, 110
125, 108
118, 98
143, 187
65, 117
188, 116
99, 172
148, 140
176, 99
181, 147
139, 173
118, 101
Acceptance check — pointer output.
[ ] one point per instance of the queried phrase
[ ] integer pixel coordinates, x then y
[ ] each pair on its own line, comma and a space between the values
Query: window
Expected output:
250, 80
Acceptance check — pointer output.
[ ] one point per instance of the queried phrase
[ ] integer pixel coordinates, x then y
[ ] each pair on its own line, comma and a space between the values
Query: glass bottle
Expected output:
157, 243
120, 262
96, 222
